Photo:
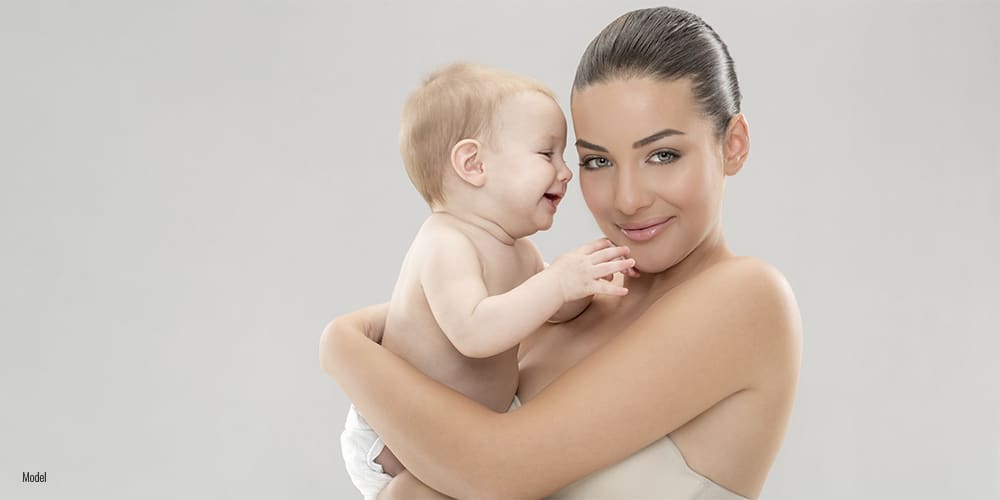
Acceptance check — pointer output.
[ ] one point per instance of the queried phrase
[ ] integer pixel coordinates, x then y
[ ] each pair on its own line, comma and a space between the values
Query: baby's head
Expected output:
487, 142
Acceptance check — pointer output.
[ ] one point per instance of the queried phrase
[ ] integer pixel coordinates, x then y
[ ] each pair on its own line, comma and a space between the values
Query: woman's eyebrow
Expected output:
635, 145
590, 145
659, 135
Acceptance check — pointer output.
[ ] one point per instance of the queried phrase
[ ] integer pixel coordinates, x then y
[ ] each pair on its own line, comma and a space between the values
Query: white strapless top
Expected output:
658, 471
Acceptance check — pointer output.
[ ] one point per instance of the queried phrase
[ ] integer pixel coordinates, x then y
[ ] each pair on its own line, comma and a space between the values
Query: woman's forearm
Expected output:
446, 453
406, 486
452, 443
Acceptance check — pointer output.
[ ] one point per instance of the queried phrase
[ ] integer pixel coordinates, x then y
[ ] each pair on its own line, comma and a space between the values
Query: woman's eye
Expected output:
664, 157
594, 162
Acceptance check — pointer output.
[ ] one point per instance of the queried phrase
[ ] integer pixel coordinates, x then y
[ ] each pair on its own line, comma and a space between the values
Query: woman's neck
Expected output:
651, 286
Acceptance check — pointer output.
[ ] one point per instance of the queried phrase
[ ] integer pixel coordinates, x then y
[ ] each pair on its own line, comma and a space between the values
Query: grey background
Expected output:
190, 190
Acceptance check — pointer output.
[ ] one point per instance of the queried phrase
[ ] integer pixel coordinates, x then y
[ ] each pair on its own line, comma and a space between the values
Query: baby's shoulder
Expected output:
528, 251
444, 230
441, 239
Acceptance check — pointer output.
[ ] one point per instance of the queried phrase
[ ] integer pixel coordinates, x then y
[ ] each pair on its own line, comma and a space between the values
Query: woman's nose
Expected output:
631, 195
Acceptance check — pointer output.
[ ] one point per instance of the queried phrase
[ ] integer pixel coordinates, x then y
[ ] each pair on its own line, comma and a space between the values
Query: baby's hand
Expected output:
581, 272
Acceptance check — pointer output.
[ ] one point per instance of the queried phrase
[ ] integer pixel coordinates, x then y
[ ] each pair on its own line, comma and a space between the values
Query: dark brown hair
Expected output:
666, 44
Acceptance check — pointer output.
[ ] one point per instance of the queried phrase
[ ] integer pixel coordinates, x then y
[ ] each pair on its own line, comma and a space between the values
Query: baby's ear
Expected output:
467, 162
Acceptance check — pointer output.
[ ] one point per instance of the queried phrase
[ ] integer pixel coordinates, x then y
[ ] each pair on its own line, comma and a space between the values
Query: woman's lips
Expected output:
645, 230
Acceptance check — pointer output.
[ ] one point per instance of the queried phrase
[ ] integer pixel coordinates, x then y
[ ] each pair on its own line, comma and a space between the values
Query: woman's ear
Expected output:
736, 144
467, 162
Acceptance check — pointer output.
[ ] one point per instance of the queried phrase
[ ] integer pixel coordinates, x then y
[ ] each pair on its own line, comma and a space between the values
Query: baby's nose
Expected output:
564, 174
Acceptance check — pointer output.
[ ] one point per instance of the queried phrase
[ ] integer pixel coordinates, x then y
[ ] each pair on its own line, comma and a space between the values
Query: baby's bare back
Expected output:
412, 332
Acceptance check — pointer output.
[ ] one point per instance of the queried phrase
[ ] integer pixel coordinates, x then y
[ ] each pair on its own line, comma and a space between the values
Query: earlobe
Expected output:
737, 144
466, 161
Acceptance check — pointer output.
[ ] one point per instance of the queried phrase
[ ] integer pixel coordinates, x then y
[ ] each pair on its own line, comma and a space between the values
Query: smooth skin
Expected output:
705, 347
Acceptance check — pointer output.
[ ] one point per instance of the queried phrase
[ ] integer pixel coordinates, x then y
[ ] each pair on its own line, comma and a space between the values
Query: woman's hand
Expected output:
369, 321
365, 325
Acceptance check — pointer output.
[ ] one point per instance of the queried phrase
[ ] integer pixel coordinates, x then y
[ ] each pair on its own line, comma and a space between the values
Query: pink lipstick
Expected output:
647, 229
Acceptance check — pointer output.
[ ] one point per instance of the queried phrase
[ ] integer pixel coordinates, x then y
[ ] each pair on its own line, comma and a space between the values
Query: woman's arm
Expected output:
407, 487
369, 321
705, 340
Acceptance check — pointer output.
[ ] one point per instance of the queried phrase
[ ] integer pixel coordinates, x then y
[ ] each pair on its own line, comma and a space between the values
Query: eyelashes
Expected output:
664, 156
594, 162
659, 157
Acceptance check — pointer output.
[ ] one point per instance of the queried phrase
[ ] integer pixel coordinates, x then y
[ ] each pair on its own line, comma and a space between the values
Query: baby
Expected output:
484, 148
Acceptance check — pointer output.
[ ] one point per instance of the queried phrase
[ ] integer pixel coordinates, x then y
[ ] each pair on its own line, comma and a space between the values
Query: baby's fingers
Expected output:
609, 268
608, 288
608, 254
594, 246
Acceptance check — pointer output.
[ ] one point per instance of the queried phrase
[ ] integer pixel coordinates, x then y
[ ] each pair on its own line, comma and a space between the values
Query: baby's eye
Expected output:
547, 154
664, 157
594, 162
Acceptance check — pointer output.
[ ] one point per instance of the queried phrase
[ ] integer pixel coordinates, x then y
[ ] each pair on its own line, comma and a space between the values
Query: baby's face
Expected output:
525, 170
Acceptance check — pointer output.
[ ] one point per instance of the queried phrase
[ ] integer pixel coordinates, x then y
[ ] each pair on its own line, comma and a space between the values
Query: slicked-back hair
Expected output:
666, 44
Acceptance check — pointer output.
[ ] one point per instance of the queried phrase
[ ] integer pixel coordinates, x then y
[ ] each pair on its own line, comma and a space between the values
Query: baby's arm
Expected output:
569, 310
572, 309
479, 325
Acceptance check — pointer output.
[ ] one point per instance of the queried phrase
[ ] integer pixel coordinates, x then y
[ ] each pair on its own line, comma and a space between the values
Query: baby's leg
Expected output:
390, 464
405, 486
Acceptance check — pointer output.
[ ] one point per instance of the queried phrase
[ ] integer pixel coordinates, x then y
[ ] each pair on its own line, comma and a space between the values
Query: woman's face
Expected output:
651, 168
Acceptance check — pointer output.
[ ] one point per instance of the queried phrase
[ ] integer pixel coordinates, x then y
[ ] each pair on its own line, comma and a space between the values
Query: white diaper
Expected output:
361, 445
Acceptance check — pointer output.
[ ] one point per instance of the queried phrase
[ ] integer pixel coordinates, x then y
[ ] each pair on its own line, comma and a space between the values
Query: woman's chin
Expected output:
652, 264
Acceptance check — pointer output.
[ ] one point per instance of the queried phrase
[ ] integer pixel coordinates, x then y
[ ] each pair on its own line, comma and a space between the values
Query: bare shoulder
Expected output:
529, 253
748, 302
751, 281
438, 224
443, 233
526, 245
770, 314
442, 248
750, 285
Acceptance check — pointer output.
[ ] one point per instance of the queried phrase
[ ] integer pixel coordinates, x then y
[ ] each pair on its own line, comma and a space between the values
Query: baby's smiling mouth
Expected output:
553, 198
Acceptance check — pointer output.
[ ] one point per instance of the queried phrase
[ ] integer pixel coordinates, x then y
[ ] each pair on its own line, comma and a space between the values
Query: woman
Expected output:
682, 388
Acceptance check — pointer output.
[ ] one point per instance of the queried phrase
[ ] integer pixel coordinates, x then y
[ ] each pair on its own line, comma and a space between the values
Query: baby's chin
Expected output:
530, 232
545, 225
